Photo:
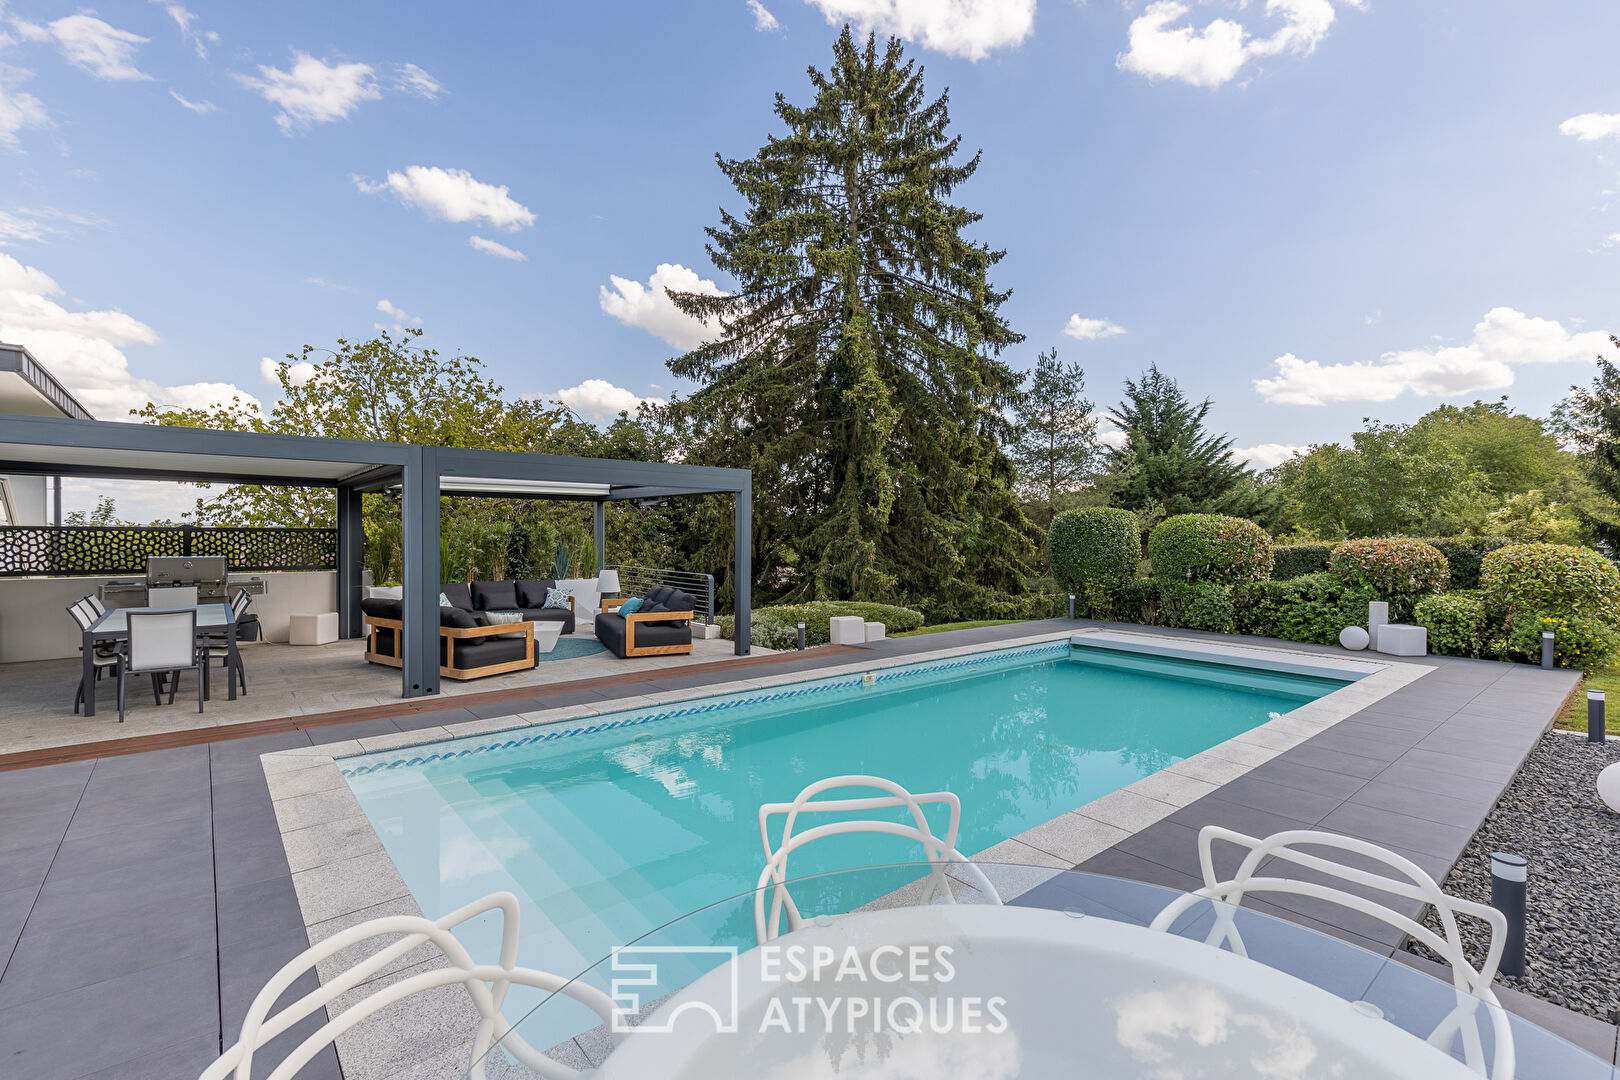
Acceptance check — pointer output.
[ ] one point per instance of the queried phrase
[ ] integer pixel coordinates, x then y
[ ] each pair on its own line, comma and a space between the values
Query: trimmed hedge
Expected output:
1464, 554
1137, 601
1208, 547
777, 627
1455, 621
1571, 581
1393, 568
1201, 605
1094, 550
1297, 560
1260, 606
1319, 606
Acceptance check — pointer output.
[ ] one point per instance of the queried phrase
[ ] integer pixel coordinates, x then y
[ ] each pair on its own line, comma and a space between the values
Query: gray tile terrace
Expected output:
149, 895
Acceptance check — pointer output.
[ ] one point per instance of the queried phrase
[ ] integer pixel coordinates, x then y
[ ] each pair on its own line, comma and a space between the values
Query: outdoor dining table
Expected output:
1065, 979
114, 626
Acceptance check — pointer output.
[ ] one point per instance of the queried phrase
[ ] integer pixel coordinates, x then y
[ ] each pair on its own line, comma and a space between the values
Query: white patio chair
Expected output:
938, 850
486, 984
163, 643
1472, 985
106, 657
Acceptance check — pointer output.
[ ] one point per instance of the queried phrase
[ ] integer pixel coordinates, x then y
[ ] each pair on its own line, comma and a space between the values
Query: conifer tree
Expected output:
1055, 443
855, 370
1169, 464
1590, 418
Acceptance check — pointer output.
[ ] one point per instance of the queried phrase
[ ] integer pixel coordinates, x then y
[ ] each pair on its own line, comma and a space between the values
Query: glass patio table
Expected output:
114, 626
1064, 978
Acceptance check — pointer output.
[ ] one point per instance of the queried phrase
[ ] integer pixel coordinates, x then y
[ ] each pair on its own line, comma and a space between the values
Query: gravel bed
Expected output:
1551, 814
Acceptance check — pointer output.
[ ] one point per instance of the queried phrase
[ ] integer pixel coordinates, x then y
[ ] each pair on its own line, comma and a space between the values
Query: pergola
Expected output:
33, 445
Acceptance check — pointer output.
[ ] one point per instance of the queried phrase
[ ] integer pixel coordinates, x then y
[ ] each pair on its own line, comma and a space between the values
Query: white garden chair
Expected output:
938, 850
1472, 985
486, 984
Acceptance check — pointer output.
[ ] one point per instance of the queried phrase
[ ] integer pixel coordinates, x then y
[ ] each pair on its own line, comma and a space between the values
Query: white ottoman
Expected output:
320, 629
876, 631
1401, 639
847, 630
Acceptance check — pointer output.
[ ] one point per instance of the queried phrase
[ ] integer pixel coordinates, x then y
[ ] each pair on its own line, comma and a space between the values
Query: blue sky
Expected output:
1310, 210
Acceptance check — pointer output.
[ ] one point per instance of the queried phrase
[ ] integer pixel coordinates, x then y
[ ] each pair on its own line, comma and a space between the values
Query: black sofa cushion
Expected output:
673, 600
458, 593
495, 595
531, 592
656, 594
551, 614
493, 650
382, 607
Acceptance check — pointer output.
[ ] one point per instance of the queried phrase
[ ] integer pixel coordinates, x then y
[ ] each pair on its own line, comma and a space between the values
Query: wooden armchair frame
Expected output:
451, 635
630, 621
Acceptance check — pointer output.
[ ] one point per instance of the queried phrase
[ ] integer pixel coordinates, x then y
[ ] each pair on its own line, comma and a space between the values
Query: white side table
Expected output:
317, 629
545, 636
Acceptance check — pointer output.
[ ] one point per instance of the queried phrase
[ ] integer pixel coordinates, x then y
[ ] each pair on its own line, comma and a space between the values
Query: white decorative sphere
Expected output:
1353, 637
1609, 786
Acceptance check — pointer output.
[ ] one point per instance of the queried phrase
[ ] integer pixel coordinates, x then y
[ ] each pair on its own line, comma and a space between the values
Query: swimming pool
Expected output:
609, 826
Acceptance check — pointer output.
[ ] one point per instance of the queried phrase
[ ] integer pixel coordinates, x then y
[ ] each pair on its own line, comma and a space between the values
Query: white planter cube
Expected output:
1400, 639
876, 631
847, 630
317, 629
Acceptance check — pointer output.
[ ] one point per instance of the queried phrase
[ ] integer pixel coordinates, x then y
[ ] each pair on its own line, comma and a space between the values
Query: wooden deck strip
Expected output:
55, 755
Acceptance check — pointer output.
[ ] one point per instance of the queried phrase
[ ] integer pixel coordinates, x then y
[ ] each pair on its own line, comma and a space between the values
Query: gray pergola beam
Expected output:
351, 530
419, 514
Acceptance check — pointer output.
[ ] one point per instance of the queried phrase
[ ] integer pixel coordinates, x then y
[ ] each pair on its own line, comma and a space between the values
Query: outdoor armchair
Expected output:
662, 627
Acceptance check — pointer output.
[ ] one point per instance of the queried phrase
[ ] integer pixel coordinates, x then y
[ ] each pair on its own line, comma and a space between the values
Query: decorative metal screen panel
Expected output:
48, 551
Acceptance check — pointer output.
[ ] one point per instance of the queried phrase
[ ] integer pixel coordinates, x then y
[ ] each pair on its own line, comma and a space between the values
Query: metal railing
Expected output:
68, 550
636, 580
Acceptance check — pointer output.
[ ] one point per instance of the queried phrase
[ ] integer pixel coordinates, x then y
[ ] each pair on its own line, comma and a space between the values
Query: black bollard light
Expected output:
1596, 726
801, 635
1071, 605
1546, 648
1510, 875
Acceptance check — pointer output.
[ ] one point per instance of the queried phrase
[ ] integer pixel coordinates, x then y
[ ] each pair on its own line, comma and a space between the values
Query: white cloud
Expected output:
1163, 47
200, 40
313, 91
1108, 433
650, 308
600, 400
1591, 126
763, 19
194, 106
401, 318
500, 251
1267, 455
453, 195
85, 348
299, 372
967, 28
1091, 329
18, 110
86, 42
1503, 340
413, 80
36, 224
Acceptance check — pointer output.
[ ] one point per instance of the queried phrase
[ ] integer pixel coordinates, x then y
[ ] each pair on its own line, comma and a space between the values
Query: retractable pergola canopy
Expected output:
34, 445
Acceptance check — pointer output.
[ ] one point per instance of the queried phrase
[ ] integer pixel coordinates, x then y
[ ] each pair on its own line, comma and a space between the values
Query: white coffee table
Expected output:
546, 635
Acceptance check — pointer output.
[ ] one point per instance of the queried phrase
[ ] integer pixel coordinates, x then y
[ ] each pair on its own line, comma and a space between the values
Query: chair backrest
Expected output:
162, 640
486, 984
241, 602
172, 596
82, 613
1406, 880
95, 604
937, 850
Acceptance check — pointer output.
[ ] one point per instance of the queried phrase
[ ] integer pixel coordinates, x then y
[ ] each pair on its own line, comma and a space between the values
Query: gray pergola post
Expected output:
420, 512
351, 558
599, 532
742, 567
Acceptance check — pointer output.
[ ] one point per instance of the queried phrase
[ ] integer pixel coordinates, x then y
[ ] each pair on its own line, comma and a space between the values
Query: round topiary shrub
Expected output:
1094, 550
1209, 547
1392, 568
1554, 578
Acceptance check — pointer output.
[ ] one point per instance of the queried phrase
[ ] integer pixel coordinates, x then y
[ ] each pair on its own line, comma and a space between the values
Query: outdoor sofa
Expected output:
663, 625
470, 645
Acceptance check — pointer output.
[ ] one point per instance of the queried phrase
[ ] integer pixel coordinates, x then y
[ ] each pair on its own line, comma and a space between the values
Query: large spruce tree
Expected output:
855, 370
1590, 418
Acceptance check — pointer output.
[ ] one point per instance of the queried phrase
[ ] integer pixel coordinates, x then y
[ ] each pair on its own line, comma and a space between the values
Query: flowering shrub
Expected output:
1208, 547
1455, 621
1574, 581
1577, 642
1393, 568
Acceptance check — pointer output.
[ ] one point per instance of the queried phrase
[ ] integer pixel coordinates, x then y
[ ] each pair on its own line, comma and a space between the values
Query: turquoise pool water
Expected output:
607, 827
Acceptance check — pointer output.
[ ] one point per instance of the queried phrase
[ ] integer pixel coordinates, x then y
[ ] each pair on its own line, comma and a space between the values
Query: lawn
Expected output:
1573, 718
956, 626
